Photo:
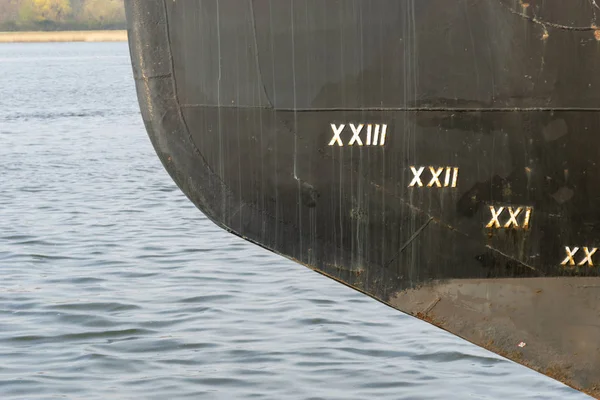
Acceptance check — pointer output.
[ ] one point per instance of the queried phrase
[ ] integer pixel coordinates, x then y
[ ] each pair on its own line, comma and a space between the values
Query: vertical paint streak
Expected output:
259, 90
219, 109
474, 54
238, 128
258, 67
360, 169
294, 94
219, 87
277, 202
307, 24
273, 69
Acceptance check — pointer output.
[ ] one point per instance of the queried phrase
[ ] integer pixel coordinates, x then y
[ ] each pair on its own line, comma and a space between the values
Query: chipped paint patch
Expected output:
545, 35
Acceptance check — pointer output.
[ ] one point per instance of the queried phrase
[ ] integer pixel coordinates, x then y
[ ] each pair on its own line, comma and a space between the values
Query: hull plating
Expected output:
441, 159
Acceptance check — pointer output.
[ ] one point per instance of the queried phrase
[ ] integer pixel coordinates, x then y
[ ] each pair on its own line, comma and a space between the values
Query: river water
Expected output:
113, 286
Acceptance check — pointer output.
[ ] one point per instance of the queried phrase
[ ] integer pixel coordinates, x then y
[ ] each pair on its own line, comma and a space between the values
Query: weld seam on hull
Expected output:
403, 109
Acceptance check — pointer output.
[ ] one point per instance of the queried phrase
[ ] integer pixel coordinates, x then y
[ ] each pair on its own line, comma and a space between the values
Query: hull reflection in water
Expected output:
440, 158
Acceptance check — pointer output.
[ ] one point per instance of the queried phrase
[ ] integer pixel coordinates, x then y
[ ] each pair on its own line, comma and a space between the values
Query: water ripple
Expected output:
115, 287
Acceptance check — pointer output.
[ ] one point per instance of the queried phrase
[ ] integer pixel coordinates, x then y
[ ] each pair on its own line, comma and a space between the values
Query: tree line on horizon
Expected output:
51, 15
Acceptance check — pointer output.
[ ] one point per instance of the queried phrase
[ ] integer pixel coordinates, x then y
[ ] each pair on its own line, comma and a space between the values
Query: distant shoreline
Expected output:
63, 36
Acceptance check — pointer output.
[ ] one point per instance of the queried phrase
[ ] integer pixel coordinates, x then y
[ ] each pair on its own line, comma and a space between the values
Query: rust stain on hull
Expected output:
495, 315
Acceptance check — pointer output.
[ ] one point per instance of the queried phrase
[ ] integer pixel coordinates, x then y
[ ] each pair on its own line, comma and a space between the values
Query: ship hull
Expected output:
442, 160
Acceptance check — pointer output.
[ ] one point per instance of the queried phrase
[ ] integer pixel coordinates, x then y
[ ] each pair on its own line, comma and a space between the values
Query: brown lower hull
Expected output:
497, 314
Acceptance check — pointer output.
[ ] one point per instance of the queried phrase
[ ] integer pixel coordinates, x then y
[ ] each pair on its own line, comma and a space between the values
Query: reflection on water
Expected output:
114, 286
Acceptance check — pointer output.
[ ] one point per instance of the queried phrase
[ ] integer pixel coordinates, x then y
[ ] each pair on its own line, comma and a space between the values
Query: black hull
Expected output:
441, 159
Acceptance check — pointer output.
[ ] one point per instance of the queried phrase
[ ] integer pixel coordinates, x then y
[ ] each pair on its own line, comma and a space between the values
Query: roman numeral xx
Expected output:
587, 257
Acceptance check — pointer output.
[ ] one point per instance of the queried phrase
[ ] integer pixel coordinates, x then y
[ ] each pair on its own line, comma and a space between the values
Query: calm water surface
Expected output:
113, 286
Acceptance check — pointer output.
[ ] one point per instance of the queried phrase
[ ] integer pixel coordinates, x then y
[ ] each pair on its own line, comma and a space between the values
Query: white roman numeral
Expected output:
356, 134
513, 215
447, 176
337, 131
570, 253
587, 259
450, 177
376, 135
527, 218
417, 176
495, 222
435, 177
